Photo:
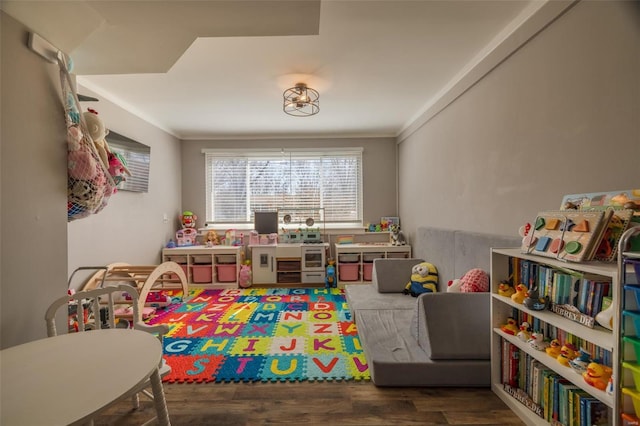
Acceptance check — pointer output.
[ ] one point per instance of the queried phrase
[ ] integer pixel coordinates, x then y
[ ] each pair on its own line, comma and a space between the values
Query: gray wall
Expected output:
378, 174
33, 218
559, 116
131, 227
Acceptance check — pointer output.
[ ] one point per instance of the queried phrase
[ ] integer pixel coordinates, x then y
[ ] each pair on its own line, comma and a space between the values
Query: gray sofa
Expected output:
437, 339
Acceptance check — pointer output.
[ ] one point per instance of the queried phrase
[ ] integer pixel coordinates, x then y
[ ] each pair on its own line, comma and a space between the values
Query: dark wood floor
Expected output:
317, 403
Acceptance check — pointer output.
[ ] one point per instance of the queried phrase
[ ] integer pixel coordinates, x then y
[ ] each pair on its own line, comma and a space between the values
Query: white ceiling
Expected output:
217, 69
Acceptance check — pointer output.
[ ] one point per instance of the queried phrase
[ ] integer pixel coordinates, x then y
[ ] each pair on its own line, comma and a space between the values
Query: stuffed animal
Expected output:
98, 132
424, 279
397, 237
244, 276
474, 281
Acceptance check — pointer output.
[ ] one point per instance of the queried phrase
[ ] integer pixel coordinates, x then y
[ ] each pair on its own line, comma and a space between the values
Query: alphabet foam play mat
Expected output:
264, 335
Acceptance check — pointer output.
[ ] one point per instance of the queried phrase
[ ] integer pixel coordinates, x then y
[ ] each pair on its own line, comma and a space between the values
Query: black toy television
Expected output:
265, 222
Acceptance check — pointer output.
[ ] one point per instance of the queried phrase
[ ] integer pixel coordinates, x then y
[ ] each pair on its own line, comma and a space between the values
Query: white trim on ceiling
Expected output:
527, 25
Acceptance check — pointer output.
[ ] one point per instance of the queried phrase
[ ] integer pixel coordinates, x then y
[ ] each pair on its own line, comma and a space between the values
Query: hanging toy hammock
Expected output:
89, 184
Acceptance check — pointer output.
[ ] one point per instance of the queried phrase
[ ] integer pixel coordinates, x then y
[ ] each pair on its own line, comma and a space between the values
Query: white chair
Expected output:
101, 304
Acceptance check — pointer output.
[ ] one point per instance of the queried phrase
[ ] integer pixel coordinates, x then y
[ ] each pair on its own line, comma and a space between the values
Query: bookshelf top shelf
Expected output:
607, 269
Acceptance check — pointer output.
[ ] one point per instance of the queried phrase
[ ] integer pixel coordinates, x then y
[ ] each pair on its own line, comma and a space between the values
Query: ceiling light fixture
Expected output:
301, 101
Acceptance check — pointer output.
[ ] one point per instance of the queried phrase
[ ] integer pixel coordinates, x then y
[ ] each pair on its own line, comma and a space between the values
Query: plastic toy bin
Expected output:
201, 273
349, 258
184, 269
367, 269
632, 317
635, 372
348, 272
226, 273
635, 398
225, 258
635, 342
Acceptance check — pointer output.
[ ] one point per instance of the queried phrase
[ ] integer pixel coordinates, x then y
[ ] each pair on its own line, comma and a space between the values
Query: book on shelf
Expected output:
547, 393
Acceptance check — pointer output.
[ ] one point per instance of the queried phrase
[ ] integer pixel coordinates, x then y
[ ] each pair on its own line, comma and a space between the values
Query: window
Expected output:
241, 182
136, 158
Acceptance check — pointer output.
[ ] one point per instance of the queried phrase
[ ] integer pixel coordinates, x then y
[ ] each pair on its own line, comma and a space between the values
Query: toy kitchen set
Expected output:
287, 247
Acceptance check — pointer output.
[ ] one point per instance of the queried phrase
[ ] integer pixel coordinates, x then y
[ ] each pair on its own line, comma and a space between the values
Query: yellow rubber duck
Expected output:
510, 327
520, 294
597, 375
505, 289
554, 348
567, 353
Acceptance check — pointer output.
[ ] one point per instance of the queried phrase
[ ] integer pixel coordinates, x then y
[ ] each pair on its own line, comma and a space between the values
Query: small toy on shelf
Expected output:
330, 276
211, 239
580, 363
597, 375
537, 341
188, 219
396, 235
424, 279
510, 327
505, 289
187, 235
605, 317
554, 348
525, 332
520, 294
534, 302
567, 354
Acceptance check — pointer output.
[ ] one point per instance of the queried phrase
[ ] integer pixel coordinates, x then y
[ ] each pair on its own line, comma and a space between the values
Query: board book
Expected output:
571, 235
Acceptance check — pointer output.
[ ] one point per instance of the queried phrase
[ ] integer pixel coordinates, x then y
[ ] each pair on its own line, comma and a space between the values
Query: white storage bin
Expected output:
349, 258
181, 258
369, 257
225, 258
201, 259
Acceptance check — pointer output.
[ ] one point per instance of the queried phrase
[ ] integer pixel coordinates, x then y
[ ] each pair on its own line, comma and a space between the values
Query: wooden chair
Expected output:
94, 310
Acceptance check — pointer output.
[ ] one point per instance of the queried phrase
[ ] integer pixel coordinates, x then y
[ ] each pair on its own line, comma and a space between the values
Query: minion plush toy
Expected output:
424, 279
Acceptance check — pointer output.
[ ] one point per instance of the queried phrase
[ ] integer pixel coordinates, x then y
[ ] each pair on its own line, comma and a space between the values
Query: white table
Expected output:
68, 378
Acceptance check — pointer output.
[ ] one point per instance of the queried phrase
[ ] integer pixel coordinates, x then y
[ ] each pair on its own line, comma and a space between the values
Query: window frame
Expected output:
270, 153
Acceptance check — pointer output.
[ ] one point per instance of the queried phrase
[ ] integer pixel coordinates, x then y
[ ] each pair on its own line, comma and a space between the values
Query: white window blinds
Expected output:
241, 182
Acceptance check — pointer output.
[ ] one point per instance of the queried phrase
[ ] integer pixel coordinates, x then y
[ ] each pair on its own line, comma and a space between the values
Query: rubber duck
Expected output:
510, 327
537, 341
567, 353
554, 348
580, 363
520, 294
525, 332
505, 289
597, 375
533, 300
